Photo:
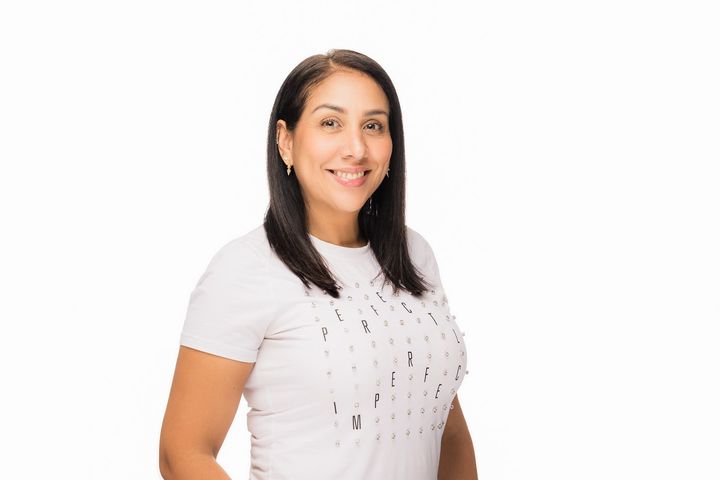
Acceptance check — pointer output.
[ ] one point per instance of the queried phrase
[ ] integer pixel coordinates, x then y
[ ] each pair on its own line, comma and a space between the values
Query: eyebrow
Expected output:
342, 110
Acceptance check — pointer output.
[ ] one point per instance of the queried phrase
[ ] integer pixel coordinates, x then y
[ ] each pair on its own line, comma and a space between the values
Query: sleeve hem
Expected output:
220, 349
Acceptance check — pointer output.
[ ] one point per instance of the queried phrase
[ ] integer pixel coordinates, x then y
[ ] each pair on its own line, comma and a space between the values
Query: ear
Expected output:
284, 141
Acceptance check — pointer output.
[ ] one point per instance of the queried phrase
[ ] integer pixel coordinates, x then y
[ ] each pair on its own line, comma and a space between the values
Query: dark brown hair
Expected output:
381, 220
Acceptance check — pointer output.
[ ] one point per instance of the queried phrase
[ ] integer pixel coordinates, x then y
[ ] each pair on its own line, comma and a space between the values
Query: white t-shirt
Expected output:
354, 388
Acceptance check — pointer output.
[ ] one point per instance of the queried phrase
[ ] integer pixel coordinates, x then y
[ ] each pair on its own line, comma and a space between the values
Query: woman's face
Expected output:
344, 127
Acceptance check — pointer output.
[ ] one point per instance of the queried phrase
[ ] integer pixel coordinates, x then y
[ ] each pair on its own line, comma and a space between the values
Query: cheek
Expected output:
319, 151
383, 150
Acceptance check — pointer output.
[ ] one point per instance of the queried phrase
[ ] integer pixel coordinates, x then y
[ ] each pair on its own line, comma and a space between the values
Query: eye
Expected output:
379, 126
328, 120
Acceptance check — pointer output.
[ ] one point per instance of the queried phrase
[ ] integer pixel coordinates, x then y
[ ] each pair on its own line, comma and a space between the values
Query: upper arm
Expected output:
455, 422
204, 397
232, 304
227, 315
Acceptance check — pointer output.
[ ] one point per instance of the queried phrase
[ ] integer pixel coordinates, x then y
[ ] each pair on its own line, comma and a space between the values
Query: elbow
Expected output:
165, 466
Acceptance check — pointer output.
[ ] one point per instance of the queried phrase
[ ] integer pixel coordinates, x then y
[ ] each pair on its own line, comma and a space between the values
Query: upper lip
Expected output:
350, 169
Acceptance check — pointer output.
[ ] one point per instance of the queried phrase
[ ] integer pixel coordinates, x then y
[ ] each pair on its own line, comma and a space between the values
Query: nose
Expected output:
355, 143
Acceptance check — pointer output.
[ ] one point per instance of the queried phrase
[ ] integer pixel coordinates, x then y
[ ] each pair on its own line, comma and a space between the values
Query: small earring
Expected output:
387, 174
288, 169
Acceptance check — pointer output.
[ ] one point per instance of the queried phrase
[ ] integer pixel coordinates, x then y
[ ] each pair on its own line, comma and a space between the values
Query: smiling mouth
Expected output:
364, 172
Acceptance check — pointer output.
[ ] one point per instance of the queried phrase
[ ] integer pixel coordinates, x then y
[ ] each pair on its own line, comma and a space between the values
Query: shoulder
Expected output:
421, 253
417, 244
246, 254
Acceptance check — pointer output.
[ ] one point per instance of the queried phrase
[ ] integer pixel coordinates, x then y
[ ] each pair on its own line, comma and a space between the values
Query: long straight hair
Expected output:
381, 220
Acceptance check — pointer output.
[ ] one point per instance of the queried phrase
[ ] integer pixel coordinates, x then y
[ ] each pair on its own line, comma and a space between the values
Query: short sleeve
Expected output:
424, 258
230, 307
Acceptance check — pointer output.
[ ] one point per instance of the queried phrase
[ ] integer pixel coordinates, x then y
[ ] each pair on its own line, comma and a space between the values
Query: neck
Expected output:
340, 229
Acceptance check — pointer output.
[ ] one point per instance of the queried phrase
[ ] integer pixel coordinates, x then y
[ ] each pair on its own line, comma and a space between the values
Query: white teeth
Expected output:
349, 176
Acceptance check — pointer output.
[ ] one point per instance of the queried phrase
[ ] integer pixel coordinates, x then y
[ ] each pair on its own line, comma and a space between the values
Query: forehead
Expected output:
352, 90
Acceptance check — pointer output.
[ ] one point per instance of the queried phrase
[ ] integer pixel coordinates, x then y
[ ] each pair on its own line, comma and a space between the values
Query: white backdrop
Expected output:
562, 160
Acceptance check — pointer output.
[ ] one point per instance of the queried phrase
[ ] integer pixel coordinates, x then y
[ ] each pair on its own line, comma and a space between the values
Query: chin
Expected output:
348, 207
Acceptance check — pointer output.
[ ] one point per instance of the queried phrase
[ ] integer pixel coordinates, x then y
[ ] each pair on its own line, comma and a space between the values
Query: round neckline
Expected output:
328, 248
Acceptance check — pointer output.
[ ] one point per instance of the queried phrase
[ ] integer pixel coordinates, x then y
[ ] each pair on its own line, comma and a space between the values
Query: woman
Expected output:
330, 317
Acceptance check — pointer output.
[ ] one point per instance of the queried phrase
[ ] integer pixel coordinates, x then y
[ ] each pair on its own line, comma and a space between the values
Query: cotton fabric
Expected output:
358, 387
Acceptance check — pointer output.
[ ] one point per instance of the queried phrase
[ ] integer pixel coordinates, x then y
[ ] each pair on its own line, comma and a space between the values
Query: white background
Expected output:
562, 160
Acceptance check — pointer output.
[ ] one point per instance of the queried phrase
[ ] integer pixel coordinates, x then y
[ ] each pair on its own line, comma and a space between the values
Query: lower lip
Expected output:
356, 182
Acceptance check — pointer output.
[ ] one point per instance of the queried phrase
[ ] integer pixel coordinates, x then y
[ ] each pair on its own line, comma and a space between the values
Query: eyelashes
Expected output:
379, 126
